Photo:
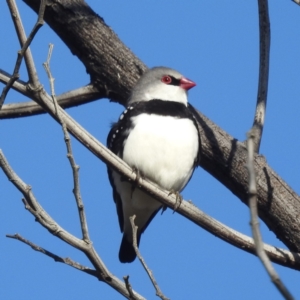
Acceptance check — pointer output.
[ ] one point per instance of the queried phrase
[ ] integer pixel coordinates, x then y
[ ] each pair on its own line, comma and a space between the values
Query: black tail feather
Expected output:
127, 253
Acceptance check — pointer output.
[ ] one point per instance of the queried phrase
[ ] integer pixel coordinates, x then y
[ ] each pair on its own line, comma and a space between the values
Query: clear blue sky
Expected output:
214, 43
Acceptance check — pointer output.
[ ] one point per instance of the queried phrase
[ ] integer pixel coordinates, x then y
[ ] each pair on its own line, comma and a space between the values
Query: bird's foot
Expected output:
178, 199
164, 208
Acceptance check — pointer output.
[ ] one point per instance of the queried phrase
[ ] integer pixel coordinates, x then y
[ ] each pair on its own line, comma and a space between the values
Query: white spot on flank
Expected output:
122, 116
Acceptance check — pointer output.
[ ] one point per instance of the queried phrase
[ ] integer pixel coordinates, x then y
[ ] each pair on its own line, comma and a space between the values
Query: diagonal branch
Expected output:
138, 254
186, 209
67, 261
113, 66
33, 206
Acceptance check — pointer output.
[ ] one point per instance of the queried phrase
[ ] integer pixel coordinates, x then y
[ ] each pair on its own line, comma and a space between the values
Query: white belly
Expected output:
163, 149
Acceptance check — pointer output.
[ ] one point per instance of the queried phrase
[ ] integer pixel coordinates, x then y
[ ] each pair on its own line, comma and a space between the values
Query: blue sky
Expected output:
216, 45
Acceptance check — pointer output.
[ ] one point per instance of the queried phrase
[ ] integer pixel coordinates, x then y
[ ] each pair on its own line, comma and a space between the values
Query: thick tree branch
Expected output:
104, 48
186, 209
222, 156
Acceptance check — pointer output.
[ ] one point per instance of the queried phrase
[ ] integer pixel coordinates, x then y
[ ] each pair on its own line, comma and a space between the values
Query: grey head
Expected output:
161, 83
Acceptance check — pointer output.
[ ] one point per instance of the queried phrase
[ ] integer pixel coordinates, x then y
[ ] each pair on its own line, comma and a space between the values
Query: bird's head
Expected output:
161, 83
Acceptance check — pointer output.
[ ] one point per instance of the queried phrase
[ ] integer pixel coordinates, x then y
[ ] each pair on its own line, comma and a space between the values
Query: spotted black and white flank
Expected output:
157, 136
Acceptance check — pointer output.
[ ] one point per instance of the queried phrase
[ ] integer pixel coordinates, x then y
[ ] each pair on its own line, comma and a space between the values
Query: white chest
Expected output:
163, 149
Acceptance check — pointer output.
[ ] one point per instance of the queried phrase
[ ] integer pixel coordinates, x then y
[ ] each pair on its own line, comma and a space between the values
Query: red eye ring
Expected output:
166, 79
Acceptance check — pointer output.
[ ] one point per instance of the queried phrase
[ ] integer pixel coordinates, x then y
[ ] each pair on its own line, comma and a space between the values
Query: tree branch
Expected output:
186, 209
255, 223
32, 205
222, 156
72, 98
74, 166
67, 261
264, 49
24, 44
141, 259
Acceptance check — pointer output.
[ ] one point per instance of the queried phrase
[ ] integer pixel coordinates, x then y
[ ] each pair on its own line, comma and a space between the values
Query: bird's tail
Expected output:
127, 253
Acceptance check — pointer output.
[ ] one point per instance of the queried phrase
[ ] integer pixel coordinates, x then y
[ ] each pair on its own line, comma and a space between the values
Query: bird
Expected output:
157, 135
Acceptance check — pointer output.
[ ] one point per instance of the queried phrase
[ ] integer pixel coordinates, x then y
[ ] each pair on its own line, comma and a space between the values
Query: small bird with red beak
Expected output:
158, 137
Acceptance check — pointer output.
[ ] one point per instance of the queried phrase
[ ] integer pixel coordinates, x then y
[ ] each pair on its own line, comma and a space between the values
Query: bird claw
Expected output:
178, 199
164, 208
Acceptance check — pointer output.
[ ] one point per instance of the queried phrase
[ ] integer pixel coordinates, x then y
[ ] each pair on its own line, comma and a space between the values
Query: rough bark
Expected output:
114, 69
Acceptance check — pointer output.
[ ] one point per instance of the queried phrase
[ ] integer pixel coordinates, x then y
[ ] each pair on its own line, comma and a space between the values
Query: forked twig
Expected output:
138, 254
74, 166
255, 223
129, 288
33, 206
20, 31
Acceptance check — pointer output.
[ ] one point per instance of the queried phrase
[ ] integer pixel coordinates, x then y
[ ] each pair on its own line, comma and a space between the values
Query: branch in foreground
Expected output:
129, 288
255, 223
20, 31
138, 254
113, 65
74, 166
32, 205
264, 49
67, 261
186, 209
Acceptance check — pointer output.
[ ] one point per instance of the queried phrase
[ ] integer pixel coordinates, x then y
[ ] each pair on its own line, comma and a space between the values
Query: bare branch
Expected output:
138, 254
74, 166
41, 216
24, 44
255, 223
113, 66
67, 261
69, 99
262, 93
296, 1
129, 288
186, 209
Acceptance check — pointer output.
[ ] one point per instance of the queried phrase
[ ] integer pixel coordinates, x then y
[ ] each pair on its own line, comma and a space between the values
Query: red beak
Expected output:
186, 83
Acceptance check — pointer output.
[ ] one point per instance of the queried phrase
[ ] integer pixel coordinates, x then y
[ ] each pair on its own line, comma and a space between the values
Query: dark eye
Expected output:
166, 79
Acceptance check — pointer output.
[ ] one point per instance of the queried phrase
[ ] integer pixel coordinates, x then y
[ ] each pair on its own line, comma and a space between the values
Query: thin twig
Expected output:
67, 261
262, 93
82, 95
20, 31
129, 288
74, 166
255, 223
138, 254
